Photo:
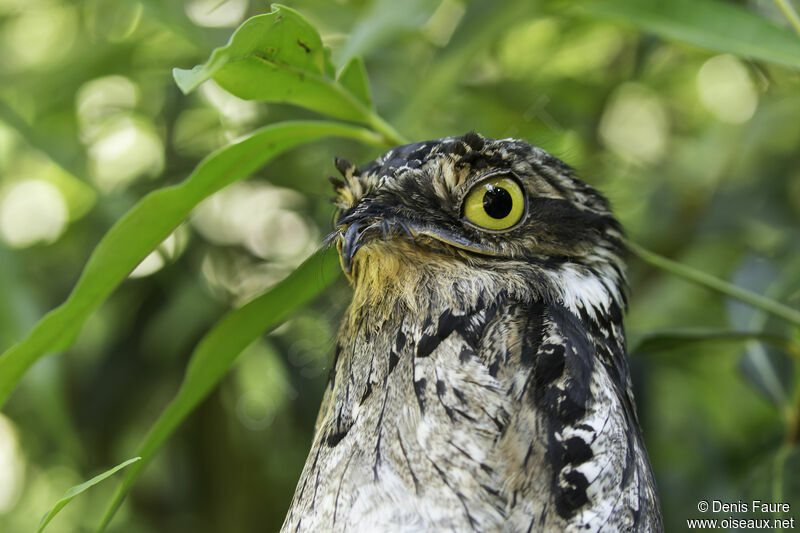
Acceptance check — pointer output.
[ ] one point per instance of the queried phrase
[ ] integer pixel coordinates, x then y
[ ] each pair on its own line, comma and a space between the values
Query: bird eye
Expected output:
496, 203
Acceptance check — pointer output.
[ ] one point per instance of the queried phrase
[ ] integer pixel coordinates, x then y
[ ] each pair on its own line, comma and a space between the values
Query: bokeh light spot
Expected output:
12, 469
126, 150
101, 98
259, 217
232, 108
164, 253
726, 89
112, 20
39, 37
634, 124
216, 13
527, 46
32, 211
263, 386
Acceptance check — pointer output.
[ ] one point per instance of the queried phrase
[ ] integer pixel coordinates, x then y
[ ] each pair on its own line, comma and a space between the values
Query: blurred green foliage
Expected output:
686, 116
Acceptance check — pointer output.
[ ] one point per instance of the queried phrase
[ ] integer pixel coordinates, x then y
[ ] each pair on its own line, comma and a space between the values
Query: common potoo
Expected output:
480, 380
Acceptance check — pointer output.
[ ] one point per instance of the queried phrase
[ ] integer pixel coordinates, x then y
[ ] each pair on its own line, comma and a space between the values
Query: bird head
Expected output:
471, 206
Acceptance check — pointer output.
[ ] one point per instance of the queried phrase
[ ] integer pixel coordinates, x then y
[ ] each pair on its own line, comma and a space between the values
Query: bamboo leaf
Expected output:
710, 24
217, 350
77, 489
146, 225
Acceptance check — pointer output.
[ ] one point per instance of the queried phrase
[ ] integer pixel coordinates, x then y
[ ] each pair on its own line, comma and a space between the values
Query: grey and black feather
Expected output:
480, 381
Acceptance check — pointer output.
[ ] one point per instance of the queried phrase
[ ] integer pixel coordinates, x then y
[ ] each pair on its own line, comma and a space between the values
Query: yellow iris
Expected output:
495, 203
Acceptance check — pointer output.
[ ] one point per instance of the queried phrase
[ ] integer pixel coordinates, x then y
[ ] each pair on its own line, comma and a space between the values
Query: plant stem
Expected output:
790, 14
387, 130
370, 137
711, 282
793, 435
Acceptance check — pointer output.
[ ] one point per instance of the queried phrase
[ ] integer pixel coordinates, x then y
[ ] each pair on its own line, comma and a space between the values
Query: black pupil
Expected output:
497, 202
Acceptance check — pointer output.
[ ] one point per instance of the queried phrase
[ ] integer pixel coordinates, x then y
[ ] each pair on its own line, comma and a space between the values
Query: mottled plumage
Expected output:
480, 381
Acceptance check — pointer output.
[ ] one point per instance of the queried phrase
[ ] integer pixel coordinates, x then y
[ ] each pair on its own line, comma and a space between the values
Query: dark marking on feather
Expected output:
460, 450
400, 341
408, 462
366, 394
447, 323
548, 366
501, 425
393, 359
527, 455
576, 451
493, 368
534, 331
463, 413
490, 490
572, 496
460, 395
459, 495
419, 391
380, 433
440, 390
530, 526
335, 438
427, 344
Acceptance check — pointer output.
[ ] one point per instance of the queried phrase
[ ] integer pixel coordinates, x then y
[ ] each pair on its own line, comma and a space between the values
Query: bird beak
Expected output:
349, 244
356, 235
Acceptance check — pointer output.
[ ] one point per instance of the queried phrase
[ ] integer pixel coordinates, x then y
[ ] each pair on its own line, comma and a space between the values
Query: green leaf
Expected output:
146, 225
281, 36
353, 77
218, 349
767, 371
709, 24
77, 489
277, 57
